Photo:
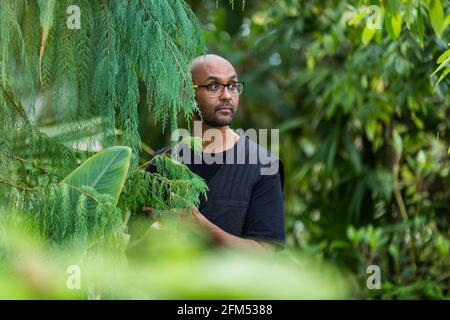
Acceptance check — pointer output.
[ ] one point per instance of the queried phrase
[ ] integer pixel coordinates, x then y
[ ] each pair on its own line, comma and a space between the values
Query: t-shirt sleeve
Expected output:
151, 168
265, 214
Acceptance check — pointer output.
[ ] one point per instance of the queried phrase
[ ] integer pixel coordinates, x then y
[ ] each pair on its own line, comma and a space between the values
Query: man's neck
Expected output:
217, 139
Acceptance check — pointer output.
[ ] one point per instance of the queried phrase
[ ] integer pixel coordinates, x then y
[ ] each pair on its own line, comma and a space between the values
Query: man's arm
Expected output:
224, 238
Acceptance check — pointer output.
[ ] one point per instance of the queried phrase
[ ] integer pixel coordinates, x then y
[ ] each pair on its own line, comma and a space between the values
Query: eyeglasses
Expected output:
216, 89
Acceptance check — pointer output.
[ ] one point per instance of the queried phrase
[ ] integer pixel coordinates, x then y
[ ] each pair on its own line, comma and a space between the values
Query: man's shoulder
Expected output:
264, 155
256, 147
257, 154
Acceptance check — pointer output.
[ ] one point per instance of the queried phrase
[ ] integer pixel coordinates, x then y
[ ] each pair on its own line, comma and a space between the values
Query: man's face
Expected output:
221, 110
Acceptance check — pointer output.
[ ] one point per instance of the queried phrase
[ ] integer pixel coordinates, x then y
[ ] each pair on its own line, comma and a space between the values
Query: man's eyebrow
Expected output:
211, 78
232, 76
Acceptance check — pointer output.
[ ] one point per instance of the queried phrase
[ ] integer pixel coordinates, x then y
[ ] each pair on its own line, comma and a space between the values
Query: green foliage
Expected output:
416, 252
82, 211
394, 13
162, 266
364, 130
363, 119
95, 71
105, 172
66, 90
29, 160
79, 212
444, 65
172, 186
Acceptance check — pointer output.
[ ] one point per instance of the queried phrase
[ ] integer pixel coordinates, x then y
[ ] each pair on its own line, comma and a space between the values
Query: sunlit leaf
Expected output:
437, 16
420, 26
368, 34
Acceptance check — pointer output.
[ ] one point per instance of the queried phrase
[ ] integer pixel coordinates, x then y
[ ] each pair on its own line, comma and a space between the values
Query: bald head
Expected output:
209, 65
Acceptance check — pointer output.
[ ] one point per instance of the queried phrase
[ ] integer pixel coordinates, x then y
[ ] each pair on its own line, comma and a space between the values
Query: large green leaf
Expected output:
420, 26
437, 16
444, 61
393, 20
368, 34
396, 22
105, 172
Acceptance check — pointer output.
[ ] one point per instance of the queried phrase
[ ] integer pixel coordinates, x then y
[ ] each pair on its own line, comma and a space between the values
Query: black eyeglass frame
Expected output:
222, 88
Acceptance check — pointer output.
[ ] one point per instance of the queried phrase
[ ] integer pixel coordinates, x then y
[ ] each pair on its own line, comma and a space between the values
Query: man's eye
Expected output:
233, 86
214, 87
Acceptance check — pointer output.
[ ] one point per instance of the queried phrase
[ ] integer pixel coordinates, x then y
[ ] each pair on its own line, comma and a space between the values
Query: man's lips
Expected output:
224, 109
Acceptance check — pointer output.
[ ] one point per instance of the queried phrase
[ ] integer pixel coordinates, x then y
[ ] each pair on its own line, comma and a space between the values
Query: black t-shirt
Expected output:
265, 213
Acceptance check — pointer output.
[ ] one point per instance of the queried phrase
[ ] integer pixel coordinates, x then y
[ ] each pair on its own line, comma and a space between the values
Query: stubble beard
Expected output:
211, 120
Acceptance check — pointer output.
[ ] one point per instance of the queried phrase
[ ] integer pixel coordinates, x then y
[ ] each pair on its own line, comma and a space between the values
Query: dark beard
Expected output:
216, 124
213, 122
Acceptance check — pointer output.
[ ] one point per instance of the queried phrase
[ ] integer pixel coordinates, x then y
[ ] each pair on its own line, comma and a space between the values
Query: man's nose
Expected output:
225, 94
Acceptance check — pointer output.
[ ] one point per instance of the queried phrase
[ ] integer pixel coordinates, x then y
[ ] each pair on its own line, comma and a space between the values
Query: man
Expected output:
245, 208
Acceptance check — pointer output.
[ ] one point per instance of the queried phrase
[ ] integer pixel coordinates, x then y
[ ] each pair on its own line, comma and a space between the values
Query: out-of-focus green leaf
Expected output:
356, 199
420, 26
356, 19
444, 61
393, 20
381, 182
396, 22
443, 75
409, 16
397, 142
437, 16
443, 56
354, 154
368, 34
